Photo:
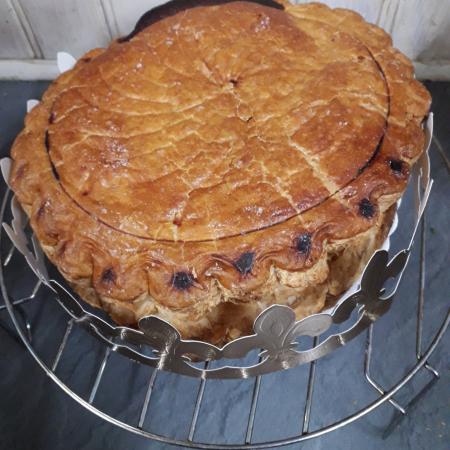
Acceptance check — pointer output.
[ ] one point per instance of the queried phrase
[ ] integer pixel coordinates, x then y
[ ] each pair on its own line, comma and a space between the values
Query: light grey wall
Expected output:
37, 29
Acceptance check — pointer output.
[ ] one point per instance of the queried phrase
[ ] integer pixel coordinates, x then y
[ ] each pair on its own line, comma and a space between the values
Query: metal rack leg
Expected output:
198, 402
441, 151
310, 391
148, 395
36, 288
16, 304
25, 299
398, 419
9, 255
99, 375
252, 415
367, 374
63, 344
421, 298
419, 332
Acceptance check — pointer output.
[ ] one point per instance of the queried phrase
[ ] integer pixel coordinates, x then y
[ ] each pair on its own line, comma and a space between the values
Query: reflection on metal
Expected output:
276, 332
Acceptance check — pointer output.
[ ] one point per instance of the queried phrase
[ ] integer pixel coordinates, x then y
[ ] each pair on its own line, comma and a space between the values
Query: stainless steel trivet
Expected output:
276, 332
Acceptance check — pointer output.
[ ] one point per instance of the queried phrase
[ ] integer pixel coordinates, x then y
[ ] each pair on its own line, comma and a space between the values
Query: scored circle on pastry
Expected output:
174, 170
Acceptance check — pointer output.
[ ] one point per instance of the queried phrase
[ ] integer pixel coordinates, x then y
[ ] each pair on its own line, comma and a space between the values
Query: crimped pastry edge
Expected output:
306, 292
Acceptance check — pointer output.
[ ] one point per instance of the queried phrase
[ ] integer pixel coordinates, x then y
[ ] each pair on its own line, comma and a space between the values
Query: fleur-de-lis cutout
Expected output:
272, 328
377, 272
162, 337
276, 330
168, 345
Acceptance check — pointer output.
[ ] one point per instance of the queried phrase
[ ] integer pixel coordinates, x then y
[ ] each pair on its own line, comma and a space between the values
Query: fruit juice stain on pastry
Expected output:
222, 157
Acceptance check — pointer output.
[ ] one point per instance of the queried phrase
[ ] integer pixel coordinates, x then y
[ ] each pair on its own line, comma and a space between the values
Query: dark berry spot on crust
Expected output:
303, 244
182, 280
86, 60
109, 276
366, 208
396, 165
234, 81
52, 118
244, 263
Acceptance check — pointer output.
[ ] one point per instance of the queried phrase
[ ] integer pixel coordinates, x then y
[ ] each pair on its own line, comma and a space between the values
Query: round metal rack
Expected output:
19, 296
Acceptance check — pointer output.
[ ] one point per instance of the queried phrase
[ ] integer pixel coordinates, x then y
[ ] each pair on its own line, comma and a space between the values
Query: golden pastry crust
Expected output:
222, 159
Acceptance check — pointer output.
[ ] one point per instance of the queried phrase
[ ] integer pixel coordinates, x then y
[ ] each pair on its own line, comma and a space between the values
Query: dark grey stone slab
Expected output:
36, 414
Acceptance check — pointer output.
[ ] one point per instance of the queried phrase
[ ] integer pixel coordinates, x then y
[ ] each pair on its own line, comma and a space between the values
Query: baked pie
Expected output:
223, 157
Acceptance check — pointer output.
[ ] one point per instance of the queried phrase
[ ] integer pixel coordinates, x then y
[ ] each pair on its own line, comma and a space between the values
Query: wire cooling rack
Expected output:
23, 295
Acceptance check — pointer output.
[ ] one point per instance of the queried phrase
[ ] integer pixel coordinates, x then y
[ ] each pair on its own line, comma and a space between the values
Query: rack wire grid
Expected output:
155, 396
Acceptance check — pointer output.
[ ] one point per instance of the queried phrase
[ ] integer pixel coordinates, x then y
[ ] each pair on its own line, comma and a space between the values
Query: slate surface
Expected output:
36, 414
